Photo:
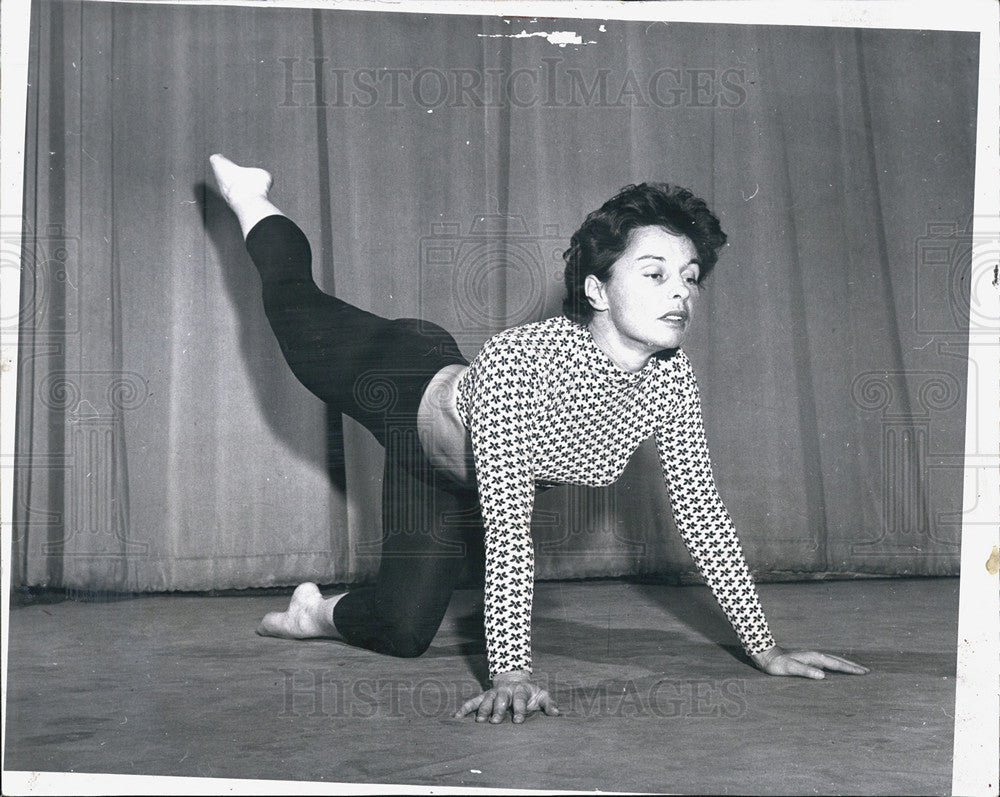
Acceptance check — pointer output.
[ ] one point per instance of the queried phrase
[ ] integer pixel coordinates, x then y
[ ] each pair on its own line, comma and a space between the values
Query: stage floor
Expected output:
653, 692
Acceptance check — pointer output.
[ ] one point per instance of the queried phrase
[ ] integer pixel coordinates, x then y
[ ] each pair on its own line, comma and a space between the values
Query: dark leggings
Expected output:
376, 370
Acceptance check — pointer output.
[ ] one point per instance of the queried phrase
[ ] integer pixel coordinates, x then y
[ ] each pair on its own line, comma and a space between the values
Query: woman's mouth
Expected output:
675, 317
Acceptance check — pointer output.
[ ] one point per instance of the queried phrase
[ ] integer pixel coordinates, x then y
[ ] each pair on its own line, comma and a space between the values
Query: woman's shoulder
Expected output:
674, 373
538, 338
528, 354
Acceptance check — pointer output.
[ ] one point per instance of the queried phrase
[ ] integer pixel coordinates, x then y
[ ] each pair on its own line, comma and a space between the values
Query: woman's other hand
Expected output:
512, 691
803, 663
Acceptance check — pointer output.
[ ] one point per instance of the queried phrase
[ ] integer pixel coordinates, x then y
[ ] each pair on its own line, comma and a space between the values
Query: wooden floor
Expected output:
654, 694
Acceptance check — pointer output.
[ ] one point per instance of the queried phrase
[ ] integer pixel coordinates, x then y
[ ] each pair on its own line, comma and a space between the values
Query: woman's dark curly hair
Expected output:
604, 235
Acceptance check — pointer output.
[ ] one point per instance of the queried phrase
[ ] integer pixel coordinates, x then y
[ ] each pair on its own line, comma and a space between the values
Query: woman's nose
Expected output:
679, 288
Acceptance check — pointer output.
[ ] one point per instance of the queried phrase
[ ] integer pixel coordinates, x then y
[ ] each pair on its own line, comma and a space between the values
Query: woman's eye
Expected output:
655, 275
691, 280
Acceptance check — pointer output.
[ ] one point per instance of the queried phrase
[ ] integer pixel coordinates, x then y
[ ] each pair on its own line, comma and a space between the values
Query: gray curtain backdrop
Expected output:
438, 165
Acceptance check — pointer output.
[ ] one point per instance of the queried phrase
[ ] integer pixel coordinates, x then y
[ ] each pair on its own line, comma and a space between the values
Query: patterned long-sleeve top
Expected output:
543, 403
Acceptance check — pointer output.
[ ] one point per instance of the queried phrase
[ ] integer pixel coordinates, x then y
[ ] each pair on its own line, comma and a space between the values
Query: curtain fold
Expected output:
439, 165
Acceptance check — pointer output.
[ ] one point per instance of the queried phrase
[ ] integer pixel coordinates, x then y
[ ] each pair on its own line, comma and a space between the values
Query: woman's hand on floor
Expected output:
511, 691
804, 663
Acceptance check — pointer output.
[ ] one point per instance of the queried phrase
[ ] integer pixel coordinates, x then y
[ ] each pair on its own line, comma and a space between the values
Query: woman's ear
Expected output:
594, 289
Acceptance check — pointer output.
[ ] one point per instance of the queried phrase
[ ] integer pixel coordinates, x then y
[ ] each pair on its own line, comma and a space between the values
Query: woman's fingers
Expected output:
829, 662
486, 707
470, 705
803, 670
548, 704
804, 663
520, 699
541, 699
520, 704
500, 703
794, 663
843, 665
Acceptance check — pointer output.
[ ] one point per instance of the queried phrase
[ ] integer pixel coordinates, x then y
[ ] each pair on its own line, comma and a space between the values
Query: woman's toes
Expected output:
271, 625
239, 182
302, 619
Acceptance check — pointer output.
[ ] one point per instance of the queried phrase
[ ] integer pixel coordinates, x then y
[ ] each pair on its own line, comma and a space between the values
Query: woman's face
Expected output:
646, 304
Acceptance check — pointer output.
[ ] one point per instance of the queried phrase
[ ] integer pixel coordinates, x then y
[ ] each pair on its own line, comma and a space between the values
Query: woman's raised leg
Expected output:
331, 346
374, 370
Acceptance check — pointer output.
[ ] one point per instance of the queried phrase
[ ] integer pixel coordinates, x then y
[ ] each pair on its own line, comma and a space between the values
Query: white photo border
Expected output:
977, 709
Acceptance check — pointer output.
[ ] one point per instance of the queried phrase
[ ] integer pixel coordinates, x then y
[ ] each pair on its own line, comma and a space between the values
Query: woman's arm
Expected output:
501, 425
701, 517
707, 530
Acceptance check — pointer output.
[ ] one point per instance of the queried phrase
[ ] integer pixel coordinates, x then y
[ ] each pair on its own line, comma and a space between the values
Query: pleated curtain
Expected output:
438, 165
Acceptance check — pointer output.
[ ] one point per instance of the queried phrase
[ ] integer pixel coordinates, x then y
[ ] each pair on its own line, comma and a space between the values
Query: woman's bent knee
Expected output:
407, 641
409, 647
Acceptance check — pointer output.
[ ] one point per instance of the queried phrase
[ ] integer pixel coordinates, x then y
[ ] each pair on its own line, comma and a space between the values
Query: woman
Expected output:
566, 400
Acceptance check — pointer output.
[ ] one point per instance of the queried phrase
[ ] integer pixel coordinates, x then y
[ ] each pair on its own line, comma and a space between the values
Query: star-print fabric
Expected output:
543, 402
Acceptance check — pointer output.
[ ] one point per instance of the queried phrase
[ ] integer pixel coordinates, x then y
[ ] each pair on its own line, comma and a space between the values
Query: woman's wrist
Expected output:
510, 676
764, 656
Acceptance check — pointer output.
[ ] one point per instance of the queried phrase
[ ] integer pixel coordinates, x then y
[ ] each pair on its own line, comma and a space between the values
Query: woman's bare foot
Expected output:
245, 190
239, 182
309, 615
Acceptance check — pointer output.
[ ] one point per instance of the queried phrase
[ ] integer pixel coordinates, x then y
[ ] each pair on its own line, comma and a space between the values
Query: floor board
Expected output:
654, 694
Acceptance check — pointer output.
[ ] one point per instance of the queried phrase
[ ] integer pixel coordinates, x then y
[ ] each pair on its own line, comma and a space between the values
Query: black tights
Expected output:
376, 371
